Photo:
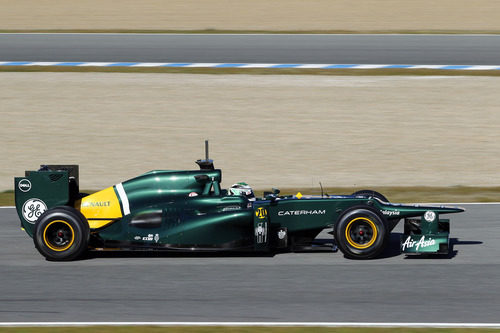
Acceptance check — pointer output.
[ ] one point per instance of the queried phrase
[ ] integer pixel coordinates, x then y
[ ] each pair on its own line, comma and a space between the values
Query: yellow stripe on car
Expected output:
101, 208
352, 242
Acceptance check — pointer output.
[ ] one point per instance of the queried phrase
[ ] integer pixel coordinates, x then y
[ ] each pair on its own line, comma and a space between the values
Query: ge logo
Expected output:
261, 213
32, 209
429, 216
24, 185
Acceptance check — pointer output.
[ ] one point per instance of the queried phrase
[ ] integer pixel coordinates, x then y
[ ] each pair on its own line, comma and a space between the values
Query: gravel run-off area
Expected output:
275, 15
283, 130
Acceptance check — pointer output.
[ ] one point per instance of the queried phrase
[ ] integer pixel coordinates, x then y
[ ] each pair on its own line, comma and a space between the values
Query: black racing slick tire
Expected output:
361, 233
61, 234
371, 193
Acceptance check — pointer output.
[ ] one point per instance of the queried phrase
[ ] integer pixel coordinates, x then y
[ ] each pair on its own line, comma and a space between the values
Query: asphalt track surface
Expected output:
227, 48
289, 287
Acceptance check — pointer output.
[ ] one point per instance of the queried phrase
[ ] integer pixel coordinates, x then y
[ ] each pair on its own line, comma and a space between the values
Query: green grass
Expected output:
251, 71
416, 194
7, 198
158, 329
394, 194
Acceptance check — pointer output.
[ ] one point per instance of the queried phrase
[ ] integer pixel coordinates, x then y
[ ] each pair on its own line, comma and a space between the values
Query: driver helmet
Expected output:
243, 189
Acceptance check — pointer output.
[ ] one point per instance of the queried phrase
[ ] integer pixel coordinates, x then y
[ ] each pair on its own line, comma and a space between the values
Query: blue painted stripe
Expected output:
285, 66
229, 65
122, 64
17, 63
182, 64
455, 67
398, 66
238, 65
340, 66
69, 64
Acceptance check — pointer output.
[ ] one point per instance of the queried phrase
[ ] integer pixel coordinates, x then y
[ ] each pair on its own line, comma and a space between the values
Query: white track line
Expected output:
257, 324
248, 65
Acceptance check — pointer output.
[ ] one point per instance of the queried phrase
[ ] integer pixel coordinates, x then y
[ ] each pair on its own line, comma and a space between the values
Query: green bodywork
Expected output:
188, 210
429, 234
38, 191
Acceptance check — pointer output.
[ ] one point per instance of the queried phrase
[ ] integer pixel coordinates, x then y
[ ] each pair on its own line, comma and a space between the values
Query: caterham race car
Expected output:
189, 211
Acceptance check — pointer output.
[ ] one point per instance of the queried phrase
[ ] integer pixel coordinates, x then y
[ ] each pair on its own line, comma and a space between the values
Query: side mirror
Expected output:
272, 195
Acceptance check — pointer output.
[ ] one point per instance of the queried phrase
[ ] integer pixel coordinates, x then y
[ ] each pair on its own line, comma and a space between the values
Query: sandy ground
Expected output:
255, 14
266, 130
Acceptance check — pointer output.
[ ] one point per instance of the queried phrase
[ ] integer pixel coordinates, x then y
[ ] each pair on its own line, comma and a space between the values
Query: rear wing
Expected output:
37, 191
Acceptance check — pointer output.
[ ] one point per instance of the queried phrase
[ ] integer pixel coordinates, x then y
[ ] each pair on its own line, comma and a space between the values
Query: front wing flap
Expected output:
429, 234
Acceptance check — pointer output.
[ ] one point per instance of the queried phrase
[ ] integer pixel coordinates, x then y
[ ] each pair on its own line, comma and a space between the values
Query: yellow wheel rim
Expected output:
58, 235
361, 226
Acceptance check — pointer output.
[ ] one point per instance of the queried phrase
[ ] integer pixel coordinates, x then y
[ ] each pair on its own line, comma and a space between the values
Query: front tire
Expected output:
371, 193
361, 233
61, 234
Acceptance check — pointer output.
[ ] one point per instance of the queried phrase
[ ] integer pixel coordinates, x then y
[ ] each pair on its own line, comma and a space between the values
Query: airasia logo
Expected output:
421, 243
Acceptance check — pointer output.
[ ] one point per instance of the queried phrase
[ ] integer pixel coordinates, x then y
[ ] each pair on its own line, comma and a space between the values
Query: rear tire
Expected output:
61, 233
361, 233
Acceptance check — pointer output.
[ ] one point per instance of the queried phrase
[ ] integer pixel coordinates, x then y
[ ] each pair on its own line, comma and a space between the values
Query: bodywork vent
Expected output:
55, 177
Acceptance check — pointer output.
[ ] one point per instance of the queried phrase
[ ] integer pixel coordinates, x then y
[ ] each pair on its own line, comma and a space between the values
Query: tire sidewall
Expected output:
80, 233
381, 239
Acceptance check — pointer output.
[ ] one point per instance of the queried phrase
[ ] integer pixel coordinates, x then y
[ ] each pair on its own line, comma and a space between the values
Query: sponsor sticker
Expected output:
391, 212
149, 238
24, 185
420, 244
97, 204
261, 232
281, 234
302, 212
429, 216
32, 209
261, 213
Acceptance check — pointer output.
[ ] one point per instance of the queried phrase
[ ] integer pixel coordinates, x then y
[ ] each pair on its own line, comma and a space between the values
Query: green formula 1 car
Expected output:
188, 211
